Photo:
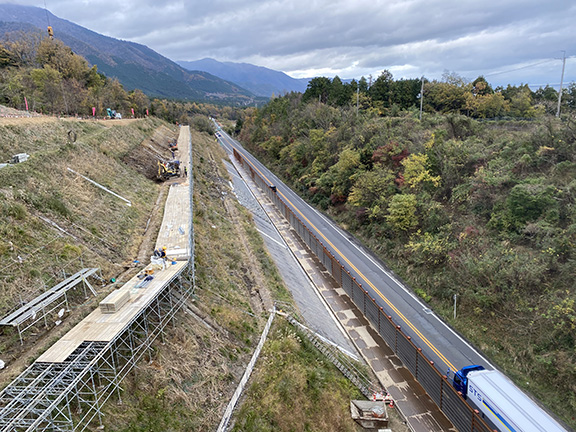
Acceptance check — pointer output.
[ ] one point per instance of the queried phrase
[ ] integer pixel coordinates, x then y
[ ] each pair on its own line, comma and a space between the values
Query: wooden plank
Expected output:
114, 301
105, 327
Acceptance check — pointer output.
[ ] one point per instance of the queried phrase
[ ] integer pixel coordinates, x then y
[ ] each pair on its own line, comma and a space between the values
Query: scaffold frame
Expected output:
69, 395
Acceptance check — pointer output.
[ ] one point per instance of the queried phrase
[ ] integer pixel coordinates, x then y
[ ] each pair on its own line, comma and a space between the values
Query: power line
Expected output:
520, 68
46, 10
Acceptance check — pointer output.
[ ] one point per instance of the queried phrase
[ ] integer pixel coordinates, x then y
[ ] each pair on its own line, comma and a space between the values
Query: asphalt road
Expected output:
310, 304
438, 341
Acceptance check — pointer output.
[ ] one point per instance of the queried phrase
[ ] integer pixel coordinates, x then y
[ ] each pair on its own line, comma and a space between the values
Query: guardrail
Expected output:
435, 383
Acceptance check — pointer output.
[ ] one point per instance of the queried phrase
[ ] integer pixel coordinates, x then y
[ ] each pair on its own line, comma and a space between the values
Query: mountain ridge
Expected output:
134, 65
259, 80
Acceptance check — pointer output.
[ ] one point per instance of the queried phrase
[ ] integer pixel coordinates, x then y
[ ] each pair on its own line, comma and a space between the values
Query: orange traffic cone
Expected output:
391, 404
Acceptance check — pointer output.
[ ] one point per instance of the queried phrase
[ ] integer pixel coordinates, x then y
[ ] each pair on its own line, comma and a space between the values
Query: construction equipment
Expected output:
113, 114
168, 169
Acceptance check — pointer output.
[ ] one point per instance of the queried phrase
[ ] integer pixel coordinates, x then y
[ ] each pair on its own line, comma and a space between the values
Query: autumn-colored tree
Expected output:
7, 57
47, 89
402, 212
372, 187
139, 102
480, 87
22, 47
53, 53
339, 178
417, 173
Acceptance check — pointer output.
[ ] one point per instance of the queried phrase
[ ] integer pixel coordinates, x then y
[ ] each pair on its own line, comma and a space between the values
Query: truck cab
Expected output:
460, 380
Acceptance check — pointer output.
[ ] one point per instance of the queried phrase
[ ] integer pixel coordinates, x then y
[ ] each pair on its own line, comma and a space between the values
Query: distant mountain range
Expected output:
259, 80
135, 65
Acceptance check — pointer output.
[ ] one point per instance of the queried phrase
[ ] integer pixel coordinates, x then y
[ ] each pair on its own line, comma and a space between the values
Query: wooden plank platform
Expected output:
174, 234
105, 327
176, 224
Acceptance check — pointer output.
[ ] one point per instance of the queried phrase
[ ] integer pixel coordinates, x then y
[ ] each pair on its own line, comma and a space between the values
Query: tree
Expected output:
363, 84
48, 88
318, 89
7, 57
139, 102
338, 179
381, 90
405, 93
571, 95
53, 53
447, 97
521, 104
339, 94
402, 212
488, 105
22, 46
114, 96
416, 172
372, 191
480, 87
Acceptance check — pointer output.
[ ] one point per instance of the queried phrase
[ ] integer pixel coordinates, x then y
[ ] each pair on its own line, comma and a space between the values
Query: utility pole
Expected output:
561, 82
357, 97
455, 297
421, 97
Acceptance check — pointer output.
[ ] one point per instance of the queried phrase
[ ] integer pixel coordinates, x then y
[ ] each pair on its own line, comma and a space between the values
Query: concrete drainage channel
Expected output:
328, 310
326, 331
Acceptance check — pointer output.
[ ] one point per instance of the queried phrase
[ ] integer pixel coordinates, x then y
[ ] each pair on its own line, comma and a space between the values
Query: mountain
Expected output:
135, 65
259, 80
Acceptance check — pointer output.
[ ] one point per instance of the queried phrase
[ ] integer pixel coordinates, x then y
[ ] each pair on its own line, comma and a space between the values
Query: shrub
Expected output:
402, 212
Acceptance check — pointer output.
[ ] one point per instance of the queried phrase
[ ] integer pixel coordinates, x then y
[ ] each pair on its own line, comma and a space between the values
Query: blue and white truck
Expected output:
503, 405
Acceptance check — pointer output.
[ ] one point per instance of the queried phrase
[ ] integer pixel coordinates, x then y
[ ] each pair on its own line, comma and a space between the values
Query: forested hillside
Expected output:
481, 210
134, 65
43, 75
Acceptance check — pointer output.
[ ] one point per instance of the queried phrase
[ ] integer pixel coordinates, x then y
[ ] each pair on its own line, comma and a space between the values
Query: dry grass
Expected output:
54, 222
191, 378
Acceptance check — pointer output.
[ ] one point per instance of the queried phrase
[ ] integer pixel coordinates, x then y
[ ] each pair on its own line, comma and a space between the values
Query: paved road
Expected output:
310, 304
437, 340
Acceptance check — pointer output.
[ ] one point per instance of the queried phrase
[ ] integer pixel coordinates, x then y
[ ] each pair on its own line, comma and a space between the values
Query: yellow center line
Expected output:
382, 296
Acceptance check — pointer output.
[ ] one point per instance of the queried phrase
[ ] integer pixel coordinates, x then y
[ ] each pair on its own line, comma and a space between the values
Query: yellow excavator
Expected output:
167, 170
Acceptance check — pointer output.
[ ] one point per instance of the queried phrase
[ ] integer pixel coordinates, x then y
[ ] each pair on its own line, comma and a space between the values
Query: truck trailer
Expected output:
503, 405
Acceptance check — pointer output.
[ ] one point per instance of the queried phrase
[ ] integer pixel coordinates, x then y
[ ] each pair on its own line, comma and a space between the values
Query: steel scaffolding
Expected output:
68, 395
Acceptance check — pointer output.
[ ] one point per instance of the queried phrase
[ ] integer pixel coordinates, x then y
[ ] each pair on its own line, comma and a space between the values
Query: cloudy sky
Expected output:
507, 41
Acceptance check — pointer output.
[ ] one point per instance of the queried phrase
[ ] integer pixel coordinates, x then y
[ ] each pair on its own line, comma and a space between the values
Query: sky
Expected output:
506, 41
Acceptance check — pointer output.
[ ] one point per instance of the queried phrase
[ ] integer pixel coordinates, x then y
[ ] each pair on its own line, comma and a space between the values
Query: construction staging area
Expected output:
85, 367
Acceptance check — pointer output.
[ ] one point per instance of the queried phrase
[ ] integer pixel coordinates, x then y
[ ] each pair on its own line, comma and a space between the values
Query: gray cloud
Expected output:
501, 39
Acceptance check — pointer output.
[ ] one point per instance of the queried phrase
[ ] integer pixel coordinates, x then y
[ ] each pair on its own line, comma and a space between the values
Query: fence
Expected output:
434, 382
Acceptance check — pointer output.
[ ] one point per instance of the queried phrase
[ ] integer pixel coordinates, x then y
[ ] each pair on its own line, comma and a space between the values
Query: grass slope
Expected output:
54, 222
